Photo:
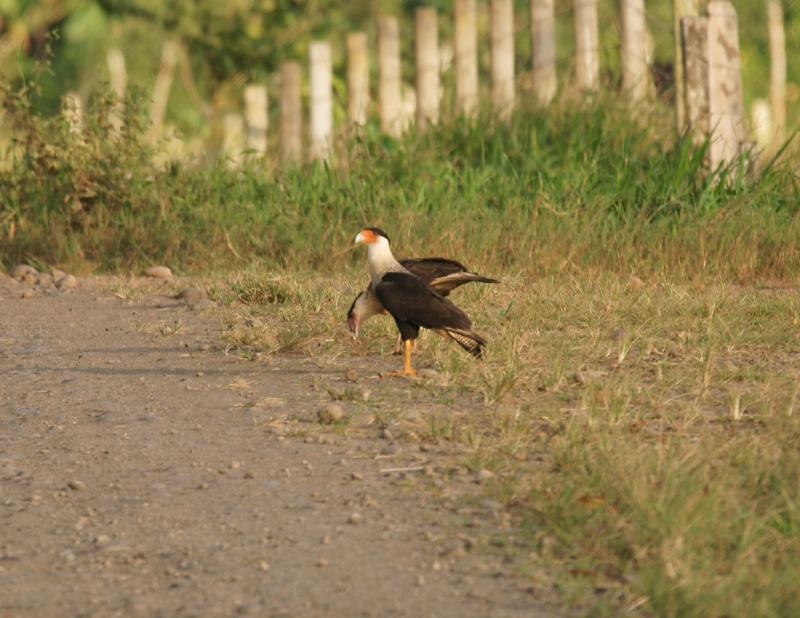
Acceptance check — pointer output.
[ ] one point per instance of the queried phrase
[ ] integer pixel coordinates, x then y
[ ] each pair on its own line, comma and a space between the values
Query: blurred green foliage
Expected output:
227, 43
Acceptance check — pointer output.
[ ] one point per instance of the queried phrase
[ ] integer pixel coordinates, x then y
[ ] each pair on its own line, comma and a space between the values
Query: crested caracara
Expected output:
411, 302
441, 274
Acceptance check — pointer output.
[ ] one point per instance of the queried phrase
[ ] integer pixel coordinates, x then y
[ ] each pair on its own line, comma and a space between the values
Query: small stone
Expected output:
386, 434
57, 274
68, 555
203, 303
492, 505
263, 565
356, 476
323, 562
483, 475
457, 551
158, 272
428, 374
102, 540
21, 270
191, 295
351, 375
235, 465
27, 294
330, 414
326, 540
44, 280
76, 485
67, 282
436, 566
391, 449
355, 518
421, 580
249, 475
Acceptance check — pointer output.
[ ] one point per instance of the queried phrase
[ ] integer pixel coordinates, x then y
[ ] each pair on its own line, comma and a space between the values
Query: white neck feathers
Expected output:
380, 259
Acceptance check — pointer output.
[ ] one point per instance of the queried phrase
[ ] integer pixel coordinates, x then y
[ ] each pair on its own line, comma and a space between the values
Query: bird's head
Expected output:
365, 306
371, 236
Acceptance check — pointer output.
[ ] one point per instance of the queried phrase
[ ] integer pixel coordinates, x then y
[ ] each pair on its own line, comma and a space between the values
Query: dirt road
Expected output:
143, 473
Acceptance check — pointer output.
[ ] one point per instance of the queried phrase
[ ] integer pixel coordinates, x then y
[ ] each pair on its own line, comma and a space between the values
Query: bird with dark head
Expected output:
412, 302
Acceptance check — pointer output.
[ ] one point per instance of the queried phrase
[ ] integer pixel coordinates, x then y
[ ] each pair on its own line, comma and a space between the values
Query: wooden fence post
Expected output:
164, 78
427, 48
633, 50
587, 52
321, 99
118, 77
543, 49
291, 112
465, 49
777, 69
256, 118
390, 79
72, 110
502, 24
761, 122
233, 138
725, 103
694, 53
357, 78
680, 9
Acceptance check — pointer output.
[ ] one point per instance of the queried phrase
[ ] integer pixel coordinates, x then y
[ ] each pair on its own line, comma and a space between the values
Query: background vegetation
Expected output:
227, 43
576, 186
640, 388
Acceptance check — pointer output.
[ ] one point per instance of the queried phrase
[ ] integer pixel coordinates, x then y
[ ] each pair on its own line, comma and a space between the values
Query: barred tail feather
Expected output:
445, 284
470, 341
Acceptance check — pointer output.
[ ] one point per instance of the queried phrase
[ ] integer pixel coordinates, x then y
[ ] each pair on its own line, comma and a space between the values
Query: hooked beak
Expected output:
359, 238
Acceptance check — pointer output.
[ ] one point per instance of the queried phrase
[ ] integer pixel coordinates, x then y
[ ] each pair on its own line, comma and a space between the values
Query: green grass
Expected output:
643, 434
572, 188
638, 402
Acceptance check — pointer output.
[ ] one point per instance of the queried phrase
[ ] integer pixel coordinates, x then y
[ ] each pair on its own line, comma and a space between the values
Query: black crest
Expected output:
378, 231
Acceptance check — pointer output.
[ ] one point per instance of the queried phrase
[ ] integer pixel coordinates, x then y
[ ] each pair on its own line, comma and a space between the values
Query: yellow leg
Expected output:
398, 346
408, 370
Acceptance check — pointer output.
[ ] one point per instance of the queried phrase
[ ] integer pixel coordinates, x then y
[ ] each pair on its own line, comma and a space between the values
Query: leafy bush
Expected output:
575, 186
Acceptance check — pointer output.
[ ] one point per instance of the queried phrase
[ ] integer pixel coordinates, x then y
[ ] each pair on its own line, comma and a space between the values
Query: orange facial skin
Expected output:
366, 237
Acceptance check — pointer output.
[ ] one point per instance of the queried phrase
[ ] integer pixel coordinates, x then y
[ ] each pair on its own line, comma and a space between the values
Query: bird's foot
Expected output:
400, 373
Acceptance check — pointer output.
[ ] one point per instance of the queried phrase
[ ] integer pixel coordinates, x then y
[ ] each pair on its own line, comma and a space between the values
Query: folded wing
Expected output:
412, 302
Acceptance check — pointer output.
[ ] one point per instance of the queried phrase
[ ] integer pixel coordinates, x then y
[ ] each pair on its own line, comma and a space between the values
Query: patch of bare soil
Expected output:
145, 473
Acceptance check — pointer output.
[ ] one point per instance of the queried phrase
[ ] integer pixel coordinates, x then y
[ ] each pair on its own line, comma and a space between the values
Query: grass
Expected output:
572, 188
638, 400
642, 433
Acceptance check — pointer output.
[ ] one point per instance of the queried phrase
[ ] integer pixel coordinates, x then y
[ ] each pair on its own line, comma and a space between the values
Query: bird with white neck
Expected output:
411, 302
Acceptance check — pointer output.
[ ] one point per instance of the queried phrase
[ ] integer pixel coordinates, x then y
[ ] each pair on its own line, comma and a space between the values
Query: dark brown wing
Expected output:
431, 268
409, 299
444, 275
